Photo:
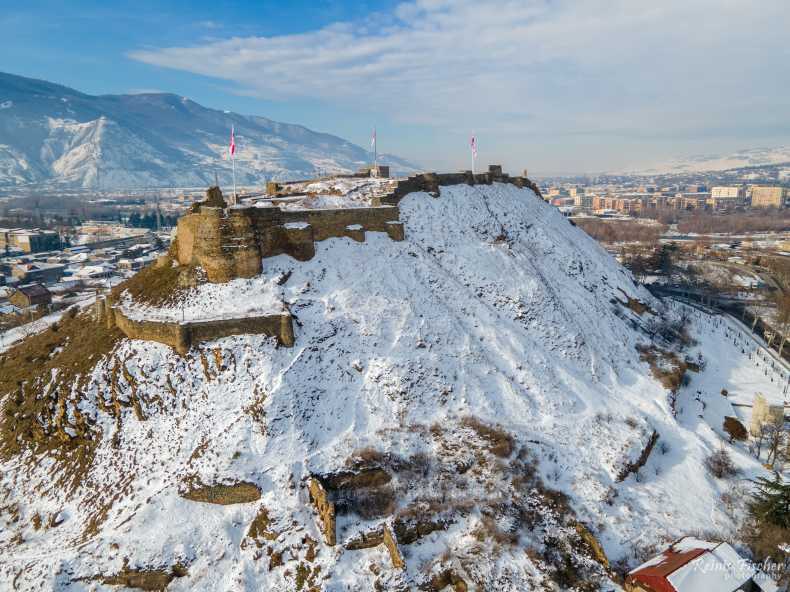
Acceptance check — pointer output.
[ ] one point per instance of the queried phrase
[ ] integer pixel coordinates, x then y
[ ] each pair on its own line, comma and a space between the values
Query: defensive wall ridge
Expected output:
183, 335
429, 182
233, 242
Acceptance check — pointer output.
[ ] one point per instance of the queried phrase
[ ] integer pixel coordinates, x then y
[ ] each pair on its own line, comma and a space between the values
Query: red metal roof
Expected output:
655, 575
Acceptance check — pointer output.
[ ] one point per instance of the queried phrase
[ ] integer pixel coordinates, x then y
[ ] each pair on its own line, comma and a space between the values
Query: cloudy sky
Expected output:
550, 85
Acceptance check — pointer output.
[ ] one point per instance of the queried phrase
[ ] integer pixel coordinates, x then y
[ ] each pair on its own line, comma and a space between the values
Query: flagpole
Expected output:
235, 195
473, 146
232, 150
375, 147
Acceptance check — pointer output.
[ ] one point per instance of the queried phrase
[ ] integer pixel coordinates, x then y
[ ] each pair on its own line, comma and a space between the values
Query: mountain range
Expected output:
751, 157
52, 135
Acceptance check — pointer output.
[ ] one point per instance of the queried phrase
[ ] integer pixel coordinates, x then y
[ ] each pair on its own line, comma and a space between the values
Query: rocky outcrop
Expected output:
633, 467
224, 495
325, 509
391, 543
152, 579
595, 546
447, 578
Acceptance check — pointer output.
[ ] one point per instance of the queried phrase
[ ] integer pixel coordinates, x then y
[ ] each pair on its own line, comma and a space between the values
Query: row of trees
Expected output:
148, 220
659, 260
620, 231
735, 222
767, 530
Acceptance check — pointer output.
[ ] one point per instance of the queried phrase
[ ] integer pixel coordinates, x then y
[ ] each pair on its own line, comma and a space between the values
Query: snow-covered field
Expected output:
494, 307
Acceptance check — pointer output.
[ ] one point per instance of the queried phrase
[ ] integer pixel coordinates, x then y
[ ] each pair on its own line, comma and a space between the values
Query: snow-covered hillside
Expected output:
487, 364
50, 134
751, 157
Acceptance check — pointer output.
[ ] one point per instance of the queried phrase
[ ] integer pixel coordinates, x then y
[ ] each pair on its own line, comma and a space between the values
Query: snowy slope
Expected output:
494, 307
50, 134
751, 157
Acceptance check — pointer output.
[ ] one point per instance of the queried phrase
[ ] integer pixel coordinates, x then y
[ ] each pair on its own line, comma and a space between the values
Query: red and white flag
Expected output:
373, 140
232, 146
473, 146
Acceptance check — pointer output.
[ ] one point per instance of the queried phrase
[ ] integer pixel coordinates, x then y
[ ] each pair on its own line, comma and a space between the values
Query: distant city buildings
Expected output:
769, 197
28, 240
727, 197
61, 278
628, 198
30, 295
40, 271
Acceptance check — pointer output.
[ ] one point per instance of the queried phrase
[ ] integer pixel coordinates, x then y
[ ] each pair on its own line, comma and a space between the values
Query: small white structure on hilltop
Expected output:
765, 414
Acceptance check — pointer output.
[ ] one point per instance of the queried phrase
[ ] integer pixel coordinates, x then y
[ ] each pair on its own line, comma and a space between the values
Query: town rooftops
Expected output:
33, 290
694, 565
39, 265
9, 309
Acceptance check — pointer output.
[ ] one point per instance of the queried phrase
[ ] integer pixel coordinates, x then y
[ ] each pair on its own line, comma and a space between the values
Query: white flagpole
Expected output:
235, 195
473, 146
232, 150
375, 153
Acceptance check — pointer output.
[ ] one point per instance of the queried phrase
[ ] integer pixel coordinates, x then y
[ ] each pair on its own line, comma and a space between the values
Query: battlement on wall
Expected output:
232, 242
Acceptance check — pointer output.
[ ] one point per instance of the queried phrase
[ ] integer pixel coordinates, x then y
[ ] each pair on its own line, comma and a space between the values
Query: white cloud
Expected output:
614, 68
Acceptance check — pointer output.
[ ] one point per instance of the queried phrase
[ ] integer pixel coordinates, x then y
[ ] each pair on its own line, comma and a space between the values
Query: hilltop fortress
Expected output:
231, 242
226, 242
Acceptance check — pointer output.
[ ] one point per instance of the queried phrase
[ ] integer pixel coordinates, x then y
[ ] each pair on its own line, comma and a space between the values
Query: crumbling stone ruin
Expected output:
182, 335
229, 242
233, 242
325, 509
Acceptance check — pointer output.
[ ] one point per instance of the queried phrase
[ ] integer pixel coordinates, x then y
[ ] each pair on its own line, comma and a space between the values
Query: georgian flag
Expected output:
232, 147
473, 146
373, 140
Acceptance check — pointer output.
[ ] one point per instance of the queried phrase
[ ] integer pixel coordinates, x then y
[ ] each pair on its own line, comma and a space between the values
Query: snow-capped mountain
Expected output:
50, 134
752, 157
481, 388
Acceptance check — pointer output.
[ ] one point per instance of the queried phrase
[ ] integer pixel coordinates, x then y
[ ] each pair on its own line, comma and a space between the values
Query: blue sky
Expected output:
550, 85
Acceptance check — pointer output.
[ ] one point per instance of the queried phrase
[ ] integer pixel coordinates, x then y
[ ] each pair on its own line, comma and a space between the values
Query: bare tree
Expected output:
783, 317
776, 436
759, 439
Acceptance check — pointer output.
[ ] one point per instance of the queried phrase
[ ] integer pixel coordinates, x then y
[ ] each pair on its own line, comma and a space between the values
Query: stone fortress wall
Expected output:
181, 336
232, 242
